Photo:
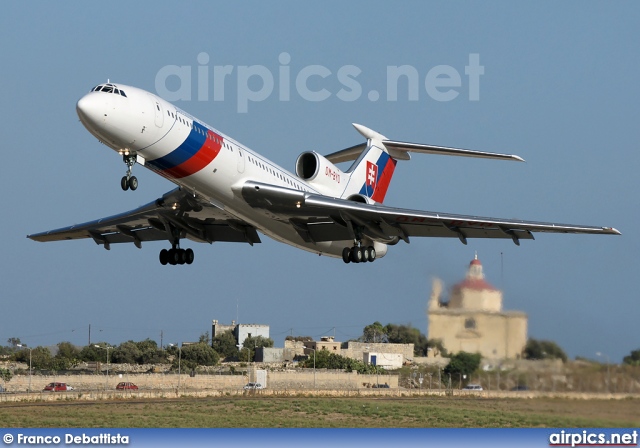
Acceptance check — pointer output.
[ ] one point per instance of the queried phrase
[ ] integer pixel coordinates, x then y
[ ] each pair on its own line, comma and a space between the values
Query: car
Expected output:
380, 386
126, 386
520, 387
250, 386
57, 387
472, 387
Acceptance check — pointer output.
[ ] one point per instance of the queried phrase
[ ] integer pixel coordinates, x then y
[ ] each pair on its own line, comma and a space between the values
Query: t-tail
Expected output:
374, 164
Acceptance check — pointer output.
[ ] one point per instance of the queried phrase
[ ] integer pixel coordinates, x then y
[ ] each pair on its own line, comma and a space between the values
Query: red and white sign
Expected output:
372, 176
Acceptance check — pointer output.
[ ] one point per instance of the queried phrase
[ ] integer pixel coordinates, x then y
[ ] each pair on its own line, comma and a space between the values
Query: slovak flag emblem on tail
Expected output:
372, 178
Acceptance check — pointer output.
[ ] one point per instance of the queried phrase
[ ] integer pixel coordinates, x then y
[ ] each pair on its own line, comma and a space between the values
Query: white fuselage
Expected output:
193, 155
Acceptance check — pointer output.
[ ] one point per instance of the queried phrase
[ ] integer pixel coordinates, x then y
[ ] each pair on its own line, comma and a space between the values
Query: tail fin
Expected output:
371, 173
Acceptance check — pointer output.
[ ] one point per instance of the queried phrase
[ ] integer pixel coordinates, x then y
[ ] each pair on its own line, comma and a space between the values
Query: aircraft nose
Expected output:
90, 110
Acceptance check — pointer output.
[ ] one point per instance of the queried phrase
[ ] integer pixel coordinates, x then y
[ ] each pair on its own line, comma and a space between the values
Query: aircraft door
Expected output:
157, 107
241, 157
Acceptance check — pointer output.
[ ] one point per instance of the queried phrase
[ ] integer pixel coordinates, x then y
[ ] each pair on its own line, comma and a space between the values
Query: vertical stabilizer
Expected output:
371, 173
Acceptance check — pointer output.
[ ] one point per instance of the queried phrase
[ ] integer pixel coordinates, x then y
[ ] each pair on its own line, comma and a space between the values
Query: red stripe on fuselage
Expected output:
384, 180
200, 159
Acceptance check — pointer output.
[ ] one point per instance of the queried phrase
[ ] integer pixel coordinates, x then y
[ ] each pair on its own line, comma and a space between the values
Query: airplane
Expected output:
227, 192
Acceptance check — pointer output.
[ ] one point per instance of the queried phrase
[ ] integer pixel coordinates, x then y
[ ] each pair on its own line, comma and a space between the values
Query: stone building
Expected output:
240, 331
473, 320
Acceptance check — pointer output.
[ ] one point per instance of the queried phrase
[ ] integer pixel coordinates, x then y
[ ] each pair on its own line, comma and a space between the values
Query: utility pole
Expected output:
89, 334
161, 346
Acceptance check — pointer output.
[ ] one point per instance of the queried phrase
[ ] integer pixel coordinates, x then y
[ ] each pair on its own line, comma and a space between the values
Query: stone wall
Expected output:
295, 379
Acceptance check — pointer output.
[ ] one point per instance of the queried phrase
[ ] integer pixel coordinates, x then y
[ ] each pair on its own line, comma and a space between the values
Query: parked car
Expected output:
126, 386
472, 387
380, 386
250, 386
57, 387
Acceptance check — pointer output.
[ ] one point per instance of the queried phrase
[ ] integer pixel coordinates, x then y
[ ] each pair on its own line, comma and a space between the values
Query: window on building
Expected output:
470, 323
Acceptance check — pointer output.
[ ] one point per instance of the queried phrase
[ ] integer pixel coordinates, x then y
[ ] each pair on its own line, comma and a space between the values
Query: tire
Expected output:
133, 183
365, 254
182, 256
173, 257
189, 256
356, 255
164, 257
346, 255
372, 253
124, 183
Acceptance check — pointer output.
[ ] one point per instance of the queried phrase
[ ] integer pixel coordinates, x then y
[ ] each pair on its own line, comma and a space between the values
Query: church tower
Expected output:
473, 319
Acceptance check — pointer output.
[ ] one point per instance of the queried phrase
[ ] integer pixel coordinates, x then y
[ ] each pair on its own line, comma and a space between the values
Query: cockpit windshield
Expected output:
109, 88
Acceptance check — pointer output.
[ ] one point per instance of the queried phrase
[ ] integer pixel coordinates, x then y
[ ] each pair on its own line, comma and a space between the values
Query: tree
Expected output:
13, 342
225, 345
325, 359
406, 334
126, 353
374, 333
5, 375
633, 359
41, 358
251, 343
200, 354
396, 334
149, 352
543, 350
204, 337
90, 353
437, 346
462, 364
69, 351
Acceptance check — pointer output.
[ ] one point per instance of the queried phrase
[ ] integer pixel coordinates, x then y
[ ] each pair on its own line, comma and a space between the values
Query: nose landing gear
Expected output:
129, 181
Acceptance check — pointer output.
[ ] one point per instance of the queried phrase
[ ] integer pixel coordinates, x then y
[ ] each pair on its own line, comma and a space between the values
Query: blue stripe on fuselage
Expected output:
184, 152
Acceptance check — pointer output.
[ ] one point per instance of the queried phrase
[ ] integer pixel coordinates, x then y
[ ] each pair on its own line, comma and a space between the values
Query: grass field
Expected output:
325, 412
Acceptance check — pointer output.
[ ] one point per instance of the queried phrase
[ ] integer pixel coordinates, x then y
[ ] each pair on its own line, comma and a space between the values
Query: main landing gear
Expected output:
129, 181
176, 256
358, 254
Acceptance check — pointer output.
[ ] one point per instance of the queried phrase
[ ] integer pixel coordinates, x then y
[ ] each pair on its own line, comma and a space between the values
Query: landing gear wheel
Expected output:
173, 257
372, 254
164, 257
365, 254
356, 255
133, 183
189, 256
346, 255
182, 256
124, 183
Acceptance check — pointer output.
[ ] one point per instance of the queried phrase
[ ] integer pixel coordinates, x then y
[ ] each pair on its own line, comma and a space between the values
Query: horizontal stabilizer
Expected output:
400, 150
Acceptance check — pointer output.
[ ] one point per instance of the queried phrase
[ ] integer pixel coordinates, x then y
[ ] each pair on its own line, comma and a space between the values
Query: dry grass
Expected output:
326, 412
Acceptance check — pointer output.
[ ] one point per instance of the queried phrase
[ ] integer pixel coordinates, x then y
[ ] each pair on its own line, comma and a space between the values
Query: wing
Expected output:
320, 218
174, 215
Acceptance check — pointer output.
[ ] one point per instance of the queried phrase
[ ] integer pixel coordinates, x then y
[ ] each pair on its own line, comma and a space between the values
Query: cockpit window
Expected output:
109, 88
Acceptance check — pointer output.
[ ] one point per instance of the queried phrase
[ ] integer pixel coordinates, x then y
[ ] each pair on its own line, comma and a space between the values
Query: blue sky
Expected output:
559, 89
